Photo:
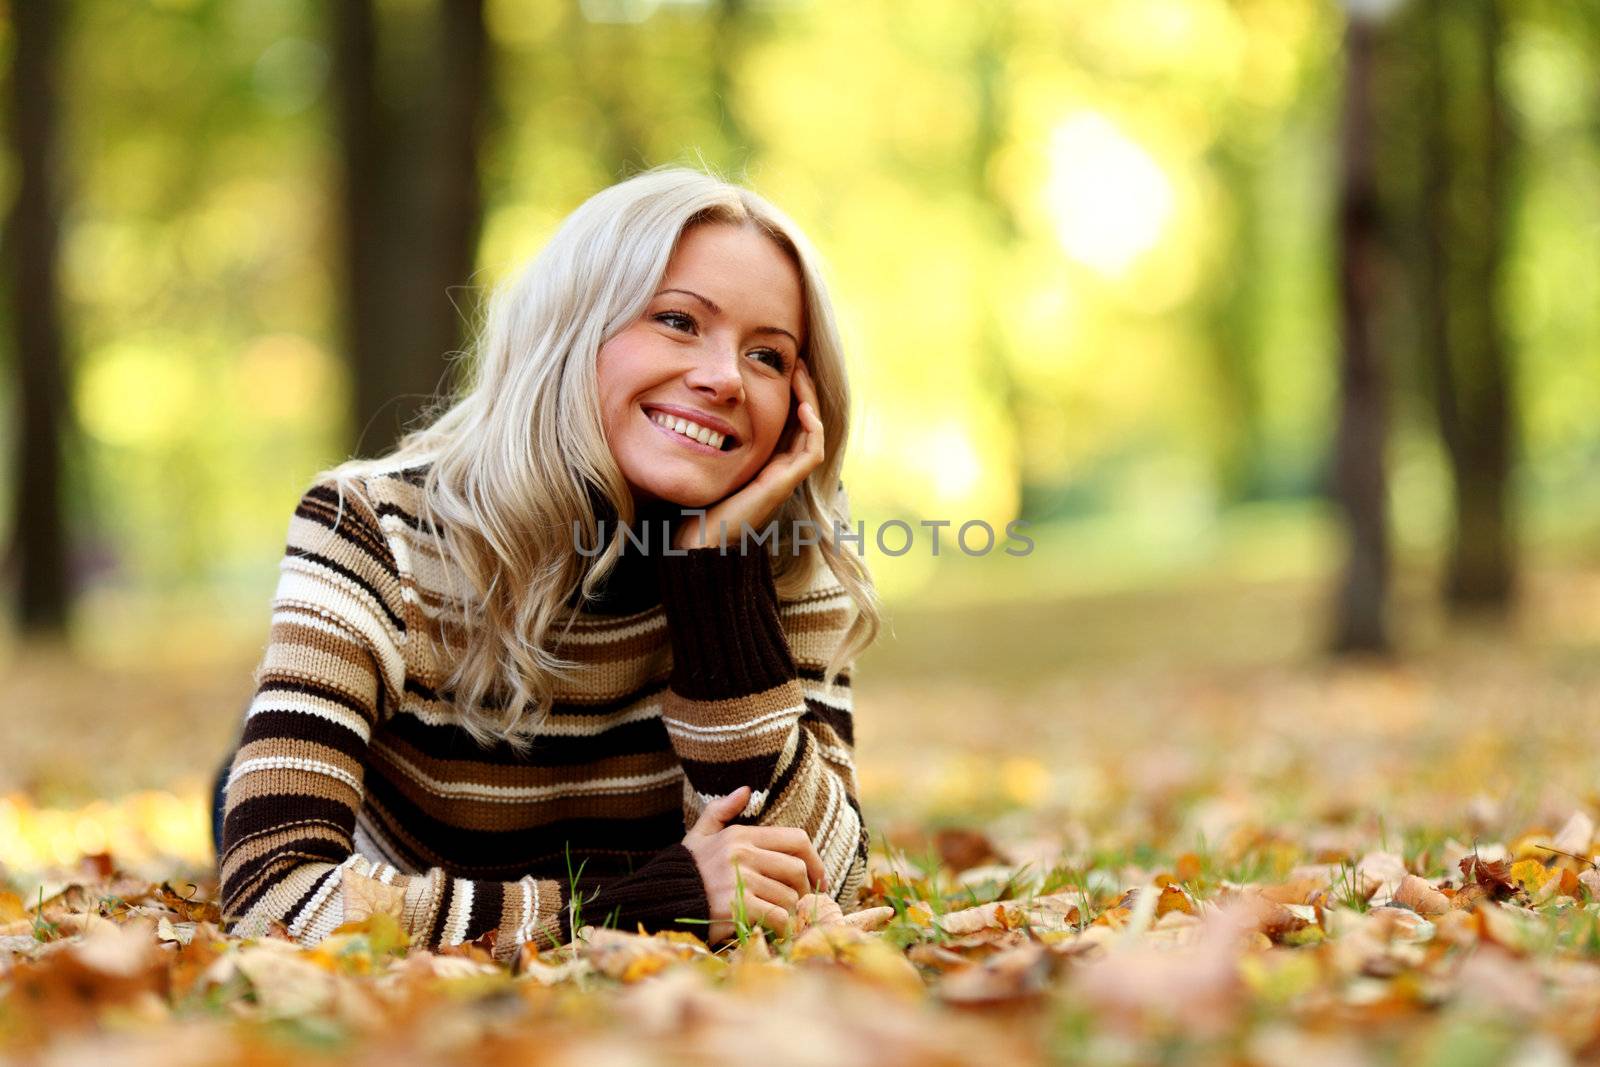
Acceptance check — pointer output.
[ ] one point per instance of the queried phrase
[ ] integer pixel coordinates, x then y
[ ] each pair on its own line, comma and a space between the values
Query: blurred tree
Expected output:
32, 263
1233, 327
731, 37
610, 71
1360, 478
410, 123
1467, 217
988, 72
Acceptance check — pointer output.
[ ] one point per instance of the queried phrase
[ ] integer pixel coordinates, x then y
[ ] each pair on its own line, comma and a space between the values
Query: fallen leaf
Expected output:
1421, 897
630, 957
962, 848
998, 915
1576, 836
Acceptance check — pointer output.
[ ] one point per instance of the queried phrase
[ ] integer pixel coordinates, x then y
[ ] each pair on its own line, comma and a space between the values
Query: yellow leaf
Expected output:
1529, 874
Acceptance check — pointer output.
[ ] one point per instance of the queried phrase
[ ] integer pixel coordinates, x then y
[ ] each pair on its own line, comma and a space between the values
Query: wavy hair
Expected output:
519, 455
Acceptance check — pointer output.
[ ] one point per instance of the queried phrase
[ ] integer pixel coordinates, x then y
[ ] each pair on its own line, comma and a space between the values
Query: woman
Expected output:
471, 716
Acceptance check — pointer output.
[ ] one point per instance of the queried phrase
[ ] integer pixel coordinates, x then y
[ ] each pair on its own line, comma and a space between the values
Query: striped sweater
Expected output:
355, 788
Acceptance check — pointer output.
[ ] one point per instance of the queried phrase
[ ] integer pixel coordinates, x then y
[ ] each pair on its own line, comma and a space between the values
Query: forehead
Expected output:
740, 269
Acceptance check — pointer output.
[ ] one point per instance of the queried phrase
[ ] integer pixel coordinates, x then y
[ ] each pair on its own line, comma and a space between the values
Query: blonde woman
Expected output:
526, 671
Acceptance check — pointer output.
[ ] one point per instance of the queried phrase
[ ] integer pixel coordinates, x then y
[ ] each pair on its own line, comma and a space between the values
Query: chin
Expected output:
683, 495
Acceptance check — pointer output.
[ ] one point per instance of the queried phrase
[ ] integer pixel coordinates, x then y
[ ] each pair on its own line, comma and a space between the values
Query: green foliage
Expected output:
1124, 233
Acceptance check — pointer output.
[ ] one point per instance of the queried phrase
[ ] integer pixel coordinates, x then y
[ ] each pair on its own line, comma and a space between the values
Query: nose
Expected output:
716, 375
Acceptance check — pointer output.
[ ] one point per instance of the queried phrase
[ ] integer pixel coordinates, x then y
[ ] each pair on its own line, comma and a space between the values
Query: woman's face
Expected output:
714, 353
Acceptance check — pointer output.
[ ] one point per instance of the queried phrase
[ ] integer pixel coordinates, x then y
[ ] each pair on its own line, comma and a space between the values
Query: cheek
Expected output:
616, 377
770, 414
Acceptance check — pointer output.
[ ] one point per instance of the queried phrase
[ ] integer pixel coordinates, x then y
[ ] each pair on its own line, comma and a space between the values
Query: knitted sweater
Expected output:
355, 788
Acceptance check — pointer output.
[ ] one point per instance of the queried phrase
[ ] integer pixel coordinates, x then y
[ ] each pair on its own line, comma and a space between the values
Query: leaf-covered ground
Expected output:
1142, 853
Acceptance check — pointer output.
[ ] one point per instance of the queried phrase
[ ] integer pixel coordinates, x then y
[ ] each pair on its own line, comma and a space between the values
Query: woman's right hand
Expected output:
778, 865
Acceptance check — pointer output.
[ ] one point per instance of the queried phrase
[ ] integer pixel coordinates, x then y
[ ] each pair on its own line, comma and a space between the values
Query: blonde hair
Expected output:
520, 455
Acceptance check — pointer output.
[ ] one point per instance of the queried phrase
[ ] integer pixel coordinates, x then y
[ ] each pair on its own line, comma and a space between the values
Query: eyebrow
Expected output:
712, 307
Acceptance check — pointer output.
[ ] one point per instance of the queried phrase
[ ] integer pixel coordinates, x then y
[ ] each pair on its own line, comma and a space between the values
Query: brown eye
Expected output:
676, 320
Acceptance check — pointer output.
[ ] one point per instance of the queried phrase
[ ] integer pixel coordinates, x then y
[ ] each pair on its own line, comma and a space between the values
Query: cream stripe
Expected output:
335, 872
759, 724
812, 607
292, 763
838, 701
455, 927
299, 702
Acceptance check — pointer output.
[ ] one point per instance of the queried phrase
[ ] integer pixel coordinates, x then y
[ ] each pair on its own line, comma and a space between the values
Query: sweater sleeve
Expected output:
334, 658
747, 703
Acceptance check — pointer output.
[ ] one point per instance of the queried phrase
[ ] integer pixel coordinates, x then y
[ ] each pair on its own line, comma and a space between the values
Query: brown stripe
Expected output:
734, 711
279, 781
473, 814
341, 645
520, 777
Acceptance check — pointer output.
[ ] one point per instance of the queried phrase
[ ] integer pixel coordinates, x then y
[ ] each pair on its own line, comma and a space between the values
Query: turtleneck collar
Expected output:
631, 586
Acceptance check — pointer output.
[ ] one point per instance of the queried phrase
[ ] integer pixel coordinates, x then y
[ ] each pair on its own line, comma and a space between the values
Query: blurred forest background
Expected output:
1279, 320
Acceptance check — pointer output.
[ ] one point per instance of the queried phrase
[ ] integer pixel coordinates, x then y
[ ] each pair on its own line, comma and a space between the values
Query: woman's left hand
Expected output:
758, 502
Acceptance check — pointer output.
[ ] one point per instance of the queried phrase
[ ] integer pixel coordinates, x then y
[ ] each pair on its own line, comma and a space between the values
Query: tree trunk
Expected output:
1360, 481
411, 205
32, 260
1466, 213
1482, 557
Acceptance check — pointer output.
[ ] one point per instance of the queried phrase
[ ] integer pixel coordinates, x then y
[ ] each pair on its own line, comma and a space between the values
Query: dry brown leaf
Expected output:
997, 915
870, 957
365, 897
1295, 891
870, 918
12, 909
287, 985
1492, 876
961, 848
1054, 912
1577, 836
1382, 872
1173, 899
630, 957
1421, 897
1021, 973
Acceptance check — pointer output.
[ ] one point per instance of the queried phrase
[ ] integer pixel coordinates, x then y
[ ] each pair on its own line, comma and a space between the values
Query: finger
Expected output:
794, 841
809, 418
804, 385
717, 813
755, 909
770, 915
814, 444
789, 870
816, 909
758, 886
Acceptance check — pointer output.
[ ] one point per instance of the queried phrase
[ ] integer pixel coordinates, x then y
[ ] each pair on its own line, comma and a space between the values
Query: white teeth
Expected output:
694, 431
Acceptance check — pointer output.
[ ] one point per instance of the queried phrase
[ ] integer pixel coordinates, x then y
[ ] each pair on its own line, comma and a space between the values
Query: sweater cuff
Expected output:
664, 890
722, 617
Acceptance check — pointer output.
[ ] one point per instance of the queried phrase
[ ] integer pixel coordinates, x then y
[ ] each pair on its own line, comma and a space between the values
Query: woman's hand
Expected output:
778, 865
757, 503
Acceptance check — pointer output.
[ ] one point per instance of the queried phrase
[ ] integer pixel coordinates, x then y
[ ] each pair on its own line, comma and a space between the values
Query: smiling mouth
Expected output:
692, 433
